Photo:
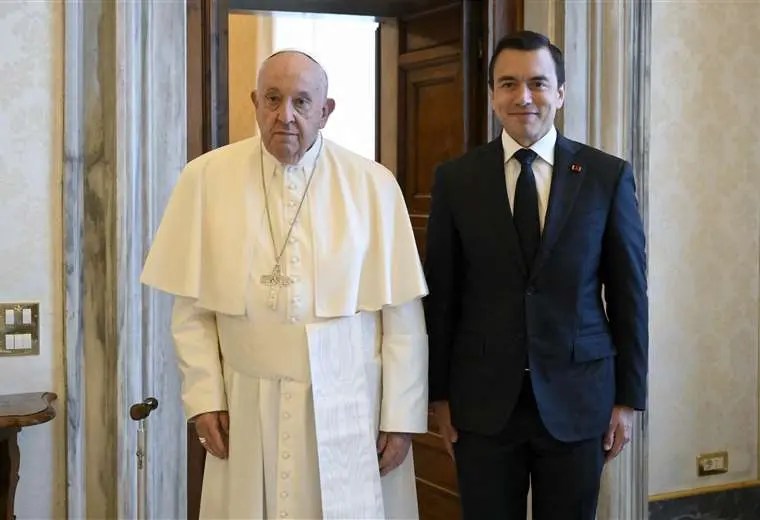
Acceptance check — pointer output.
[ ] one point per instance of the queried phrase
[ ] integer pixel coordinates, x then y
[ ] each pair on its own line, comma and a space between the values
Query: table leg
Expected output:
9, 465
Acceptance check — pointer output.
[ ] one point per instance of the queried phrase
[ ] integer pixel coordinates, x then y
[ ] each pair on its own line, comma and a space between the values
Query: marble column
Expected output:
606, 47
75, 157
125, 135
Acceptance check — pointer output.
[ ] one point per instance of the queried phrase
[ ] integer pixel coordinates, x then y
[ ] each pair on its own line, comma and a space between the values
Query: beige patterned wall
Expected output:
31, 55
704, 229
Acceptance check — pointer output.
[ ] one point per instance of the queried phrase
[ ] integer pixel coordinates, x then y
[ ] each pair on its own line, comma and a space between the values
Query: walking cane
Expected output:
140, 412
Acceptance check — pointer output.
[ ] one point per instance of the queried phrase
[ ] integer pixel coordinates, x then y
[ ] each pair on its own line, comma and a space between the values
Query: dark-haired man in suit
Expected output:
537, 313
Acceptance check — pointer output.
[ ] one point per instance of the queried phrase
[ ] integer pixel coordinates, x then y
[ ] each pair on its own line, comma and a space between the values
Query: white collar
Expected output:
544, 147
306, 162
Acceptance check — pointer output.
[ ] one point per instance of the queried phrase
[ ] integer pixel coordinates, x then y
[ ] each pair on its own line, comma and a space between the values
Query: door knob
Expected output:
140, 411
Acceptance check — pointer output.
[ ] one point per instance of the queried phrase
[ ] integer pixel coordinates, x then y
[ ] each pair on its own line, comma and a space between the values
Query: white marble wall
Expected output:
161, 136
125, 134
31, 36
704, 195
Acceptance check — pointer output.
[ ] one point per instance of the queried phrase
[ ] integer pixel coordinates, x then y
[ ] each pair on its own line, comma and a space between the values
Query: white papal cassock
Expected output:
344, 353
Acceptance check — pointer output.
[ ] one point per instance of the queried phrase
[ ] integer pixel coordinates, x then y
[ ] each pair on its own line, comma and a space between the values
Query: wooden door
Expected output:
441, 98
442, 107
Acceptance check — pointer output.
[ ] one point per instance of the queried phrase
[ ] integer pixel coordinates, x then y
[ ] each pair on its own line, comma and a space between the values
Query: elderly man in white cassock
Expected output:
297, 319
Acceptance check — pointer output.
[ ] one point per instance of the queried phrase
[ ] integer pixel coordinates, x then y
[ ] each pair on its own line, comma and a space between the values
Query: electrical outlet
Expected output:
19, 329
712, 463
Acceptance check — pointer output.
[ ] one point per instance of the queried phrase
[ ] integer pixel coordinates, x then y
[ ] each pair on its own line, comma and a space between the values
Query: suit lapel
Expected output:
495, 202
567, 177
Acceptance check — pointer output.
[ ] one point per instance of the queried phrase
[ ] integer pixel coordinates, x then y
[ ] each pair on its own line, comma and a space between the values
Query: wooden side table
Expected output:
17, 411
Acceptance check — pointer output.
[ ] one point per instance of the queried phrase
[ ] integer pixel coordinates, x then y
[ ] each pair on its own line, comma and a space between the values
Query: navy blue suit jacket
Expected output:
579, 313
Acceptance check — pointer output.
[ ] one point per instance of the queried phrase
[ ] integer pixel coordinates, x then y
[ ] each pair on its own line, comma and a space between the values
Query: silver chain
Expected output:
278, 256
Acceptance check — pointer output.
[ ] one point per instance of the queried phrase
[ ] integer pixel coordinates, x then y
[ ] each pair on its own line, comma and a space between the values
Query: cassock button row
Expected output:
284, 514
286, 436
295, 260
287, 396
293, 319
285, 455
284, 475
292, 240
286, 415
291, 186
292, 204
284, 494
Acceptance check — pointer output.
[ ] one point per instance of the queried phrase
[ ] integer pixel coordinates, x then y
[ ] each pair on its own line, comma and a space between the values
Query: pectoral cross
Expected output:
275, 281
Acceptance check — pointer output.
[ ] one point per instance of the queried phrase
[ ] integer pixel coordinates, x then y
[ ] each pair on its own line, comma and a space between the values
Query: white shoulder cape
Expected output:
365, 253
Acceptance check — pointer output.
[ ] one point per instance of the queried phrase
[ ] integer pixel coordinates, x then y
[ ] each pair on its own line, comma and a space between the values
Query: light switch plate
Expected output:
20, 329
712, 463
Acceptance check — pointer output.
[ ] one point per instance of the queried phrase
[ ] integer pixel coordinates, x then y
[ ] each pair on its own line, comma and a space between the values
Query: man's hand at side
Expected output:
445, 429
619, 432
392, 448
213, 430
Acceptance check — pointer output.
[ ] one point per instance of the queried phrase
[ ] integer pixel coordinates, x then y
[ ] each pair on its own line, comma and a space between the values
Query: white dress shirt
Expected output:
542, 169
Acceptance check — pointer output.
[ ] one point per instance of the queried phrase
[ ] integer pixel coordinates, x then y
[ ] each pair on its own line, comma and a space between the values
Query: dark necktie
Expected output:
526, 207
